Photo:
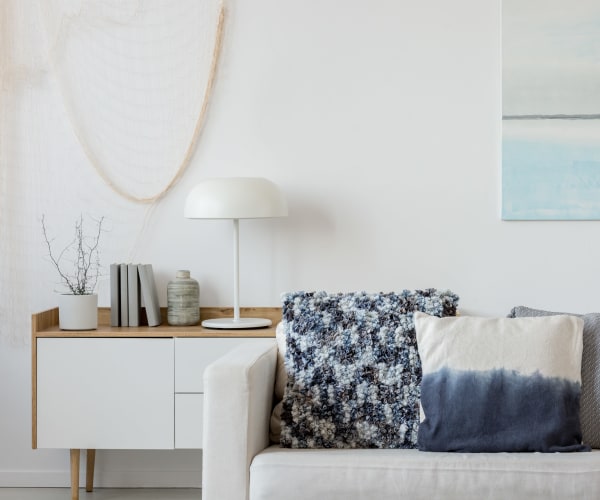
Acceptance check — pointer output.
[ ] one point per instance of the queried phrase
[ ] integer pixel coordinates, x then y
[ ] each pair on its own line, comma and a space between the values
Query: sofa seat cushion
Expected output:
349, 474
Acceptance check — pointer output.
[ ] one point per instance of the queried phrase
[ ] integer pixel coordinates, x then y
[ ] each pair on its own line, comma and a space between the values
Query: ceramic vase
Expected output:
183, 300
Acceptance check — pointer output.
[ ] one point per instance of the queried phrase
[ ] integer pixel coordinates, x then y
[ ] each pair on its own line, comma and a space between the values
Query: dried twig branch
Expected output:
85, 259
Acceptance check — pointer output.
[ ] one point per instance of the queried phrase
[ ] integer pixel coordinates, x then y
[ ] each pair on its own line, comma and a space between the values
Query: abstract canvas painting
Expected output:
550, 110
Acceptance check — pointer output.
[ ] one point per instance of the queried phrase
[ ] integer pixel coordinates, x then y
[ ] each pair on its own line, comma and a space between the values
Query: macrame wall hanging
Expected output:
136, 78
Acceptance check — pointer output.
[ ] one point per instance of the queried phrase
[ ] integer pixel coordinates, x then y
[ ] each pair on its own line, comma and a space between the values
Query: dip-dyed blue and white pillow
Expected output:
500, 384
353, 367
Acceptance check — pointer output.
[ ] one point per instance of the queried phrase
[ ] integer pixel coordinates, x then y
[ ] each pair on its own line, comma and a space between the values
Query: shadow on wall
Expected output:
323, 237
308, 218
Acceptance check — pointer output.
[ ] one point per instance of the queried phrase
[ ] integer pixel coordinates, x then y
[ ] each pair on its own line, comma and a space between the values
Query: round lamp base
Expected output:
233, 324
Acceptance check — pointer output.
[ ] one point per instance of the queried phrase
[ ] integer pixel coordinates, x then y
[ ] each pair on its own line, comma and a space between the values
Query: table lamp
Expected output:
235, 198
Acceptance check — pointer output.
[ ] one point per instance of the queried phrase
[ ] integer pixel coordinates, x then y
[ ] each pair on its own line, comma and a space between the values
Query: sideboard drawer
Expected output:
193, 355
188, 420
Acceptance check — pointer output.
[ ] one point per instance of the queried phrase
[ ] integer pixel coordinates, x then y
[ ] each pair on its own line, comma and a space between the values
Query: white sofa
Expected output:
239, 463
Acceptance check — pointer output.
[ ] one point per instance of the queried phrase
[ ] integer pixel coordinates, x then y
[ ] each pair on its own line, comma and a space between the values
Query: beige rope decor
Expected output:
197, 129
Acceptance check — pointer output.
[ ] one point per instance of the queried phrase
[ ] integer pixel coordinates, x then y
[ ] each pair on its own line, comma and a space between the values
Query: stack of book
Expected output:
132, 288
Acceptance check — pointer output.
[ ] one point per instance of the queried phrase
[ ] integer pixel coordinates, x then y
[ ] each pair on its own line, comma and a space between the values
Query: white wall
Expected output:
381, 122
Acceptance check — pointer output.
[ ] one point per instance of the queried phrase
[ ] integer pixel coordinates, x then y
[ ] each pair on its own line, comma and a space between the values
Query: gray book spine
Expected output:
115, 295
124, 296
133, 299
149, 294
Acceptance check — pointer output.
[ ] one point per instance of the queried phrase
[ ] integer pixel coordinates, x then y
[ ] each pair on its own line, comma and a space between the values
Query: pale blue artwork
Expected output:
551, 110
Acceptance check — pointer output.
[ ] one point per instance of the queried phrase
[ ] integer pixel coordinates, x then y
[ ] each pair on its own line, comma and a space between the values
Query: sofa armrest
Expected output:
238, 395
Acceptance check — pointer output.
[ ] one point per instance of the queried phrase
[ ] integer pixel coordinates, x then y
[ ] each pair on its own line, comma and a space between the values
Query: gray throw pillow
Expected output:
590, 371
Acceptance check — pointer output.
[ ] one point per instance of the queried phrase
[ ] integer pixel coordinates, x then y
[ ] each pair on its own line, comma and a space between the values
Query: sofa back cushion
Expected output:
279, 389
500, 384
353, 369
590, 370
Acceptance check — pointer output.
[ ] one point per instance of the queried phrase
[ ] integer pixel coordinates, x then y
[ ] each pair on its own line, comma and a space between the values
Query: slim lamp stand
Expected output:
236, 322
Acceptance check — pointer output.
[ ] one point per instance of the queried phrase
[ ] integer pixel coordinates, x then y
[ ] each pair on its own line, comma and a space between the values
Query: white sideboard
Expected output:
124, 388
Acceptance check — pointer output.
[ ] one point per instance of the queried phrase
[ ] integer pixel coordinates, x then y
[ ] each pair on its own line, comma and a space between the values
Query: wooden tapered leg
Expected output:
75, 474
89, 470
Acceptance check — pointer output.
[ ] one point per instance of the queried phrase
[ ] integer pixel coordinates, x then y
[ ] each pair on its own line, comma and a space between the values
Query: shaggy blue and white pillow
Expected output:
353, 367
500, 384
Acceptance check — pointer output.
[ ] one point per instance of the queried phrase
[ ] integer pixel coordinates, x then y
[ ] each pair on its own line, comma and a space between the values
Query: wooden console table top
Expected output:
45, 324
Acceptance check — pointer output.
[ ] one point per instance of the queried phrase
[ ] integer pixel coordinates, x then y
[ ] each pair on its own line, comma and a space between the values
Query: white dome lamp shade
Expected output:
235, 198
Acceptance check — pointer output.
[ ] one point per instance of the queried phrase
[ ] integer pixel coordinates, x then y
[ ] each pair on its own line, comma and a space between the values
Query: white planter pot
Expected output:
78, 312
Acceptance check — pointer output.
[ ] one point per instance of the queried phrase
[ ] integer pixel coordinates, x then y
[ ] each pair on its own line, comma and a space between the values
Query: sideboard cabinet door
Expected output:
105, 393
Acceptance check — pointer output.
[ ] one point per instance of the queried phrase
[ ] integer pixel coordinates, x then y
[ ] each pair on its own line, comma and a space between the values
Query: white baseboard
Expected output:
103, 479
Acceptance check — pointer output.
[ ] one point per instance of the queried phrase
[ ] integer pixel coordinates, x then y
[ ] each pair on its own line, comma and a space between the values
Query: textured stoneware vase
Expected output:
183, 300
78, 312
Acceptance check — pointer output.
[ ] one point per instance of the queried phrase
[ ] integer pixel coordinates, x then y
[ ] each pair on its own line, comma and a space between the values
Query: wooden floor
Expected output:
101, 494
